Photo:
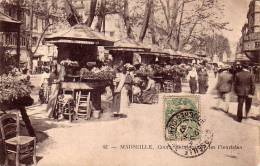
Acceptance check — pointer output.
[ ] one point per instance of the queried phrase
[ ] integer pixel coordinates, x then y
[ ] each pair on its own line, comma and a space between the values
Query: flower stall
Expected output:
126, 50
77, 48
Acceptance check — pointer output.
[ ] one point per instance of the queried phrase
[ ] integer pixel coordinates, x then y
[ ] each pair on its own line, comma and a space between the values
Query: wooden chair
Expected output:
64, 108
83, 109
17, 148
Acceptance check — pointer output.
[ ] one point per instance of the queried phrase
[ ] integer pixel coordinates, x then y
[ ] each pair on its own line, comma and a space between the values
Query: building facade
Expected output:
40, 27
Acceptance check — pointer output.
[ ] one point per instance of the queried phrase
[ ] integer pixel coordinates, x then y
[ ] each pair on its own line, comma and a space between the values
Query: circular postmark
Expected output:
184, 130
183, 125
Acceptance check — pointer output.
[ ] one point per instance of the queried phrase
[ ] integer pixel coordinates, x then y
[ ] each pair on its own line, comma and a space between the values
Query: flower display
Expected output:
104, 73
167, 71
13, 89
144, 70
68, 63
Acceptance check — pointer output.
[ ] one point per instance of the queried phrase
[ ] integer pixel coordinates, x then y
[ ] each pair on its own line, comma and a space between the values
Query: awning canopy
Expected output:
159, 54
8, 24
127, 44
79, 34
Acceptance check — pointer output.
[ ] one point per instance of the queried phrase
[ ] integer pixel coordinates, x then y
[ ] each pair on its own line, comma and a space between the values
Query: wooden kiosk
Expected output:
79, 43
124, 50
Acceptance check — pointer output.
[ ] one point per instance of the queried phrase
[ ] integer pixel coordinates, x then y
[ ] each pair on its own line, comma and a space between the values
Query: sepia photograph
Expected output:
130, 82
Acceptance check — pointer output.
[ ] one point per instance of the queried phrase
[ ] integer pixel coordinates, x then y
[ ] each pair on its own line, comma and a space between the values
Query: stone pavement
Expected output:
99, 143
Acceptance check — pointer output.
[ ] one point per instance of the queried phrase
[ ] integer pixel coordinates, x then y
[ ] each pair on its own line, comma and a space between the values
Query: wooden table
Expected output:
75, 86
94, 88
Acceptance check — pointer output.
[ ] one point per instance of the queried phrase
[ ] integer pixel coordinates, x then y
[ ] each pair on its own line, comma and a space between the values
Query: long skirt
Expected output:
178, 88
124, 102
203, 86
120, 102
193, 85
148, 97
116, 102
53, 99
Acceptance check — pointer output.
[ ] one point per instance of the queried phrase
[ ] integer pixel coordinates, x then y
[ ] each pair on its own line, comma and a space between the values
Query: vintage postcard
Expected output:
130, 82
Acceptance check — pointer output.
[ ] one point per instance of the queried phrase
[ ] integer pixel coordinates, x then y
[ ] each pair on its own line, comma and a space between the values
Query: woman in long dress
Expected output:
192, 77
177, 81
120, 100
149, 94
203, 81
55, 87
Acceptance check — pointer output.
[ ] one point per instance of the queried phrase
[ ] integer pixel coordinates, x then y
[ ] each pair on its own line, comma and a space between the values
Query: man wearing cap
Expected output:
245, 89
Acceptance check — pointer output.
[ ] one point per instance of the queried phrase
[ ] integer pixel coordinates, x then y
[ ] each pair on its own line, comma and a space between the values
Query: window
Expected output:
8, 39
34, 41
35, 22
23, 41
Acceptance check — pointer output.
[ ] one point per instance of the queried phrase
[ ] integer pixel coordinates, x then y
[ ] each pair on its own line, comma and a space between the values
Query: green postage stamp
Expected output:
182, 118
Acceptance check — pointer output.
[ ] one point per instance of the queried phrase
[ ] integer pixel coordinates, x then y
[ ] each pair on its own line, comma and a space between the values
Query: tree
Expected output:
51, 13
126, 18
146, 20
72, 15
215, 44
152, 25
101, 15
92, 13
179, 22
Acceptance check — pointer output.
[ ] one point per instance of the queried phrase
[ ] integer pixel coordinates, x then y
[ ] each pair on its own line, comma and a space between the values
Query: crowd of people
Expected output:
142, 83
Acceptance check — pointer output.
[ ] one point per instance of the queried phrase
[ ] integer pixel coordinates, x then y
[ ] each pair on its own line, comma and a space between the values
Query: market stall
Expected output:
126, 51
77, 56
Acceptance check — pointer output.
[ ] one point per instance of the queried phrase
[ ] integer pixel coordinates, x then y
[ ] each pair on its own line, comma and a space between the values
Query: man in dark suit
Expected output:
245, 89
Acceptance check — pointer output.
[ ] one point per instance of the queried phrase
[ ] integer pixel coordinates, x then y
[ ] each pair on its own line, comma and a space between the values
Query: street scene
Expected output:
119, 82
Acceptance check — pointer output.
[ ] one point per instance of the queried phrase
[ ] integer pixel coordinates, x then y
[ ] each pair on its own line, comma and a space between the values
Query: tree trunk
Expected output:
152, 27
126, 17
29, 43
101, 14
147, 15
90, 19
72, 16
18, 44
172, 32
186, 40
177, 43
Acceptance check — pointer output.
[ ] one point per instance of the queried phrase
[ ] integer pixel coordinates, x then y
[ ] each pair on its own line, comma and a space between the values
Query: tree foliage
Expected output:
175, 24
212, 45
